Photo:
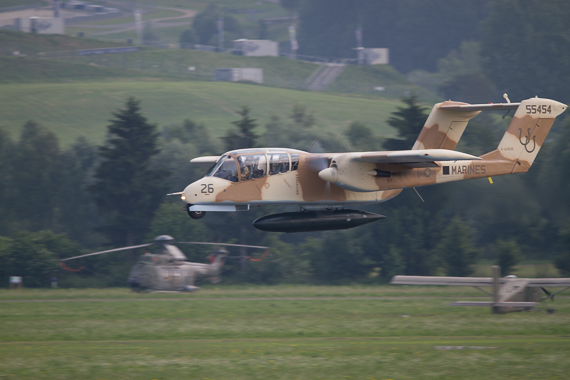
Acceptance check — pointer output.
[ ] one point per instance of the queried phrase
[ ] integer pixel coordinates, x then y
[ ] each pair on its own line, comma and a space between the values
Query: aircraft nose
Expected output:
189, 195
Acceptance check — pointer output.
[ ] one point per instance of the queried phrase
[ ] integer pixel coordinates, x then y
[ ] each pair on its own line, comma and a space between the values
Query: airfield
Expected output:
276, 332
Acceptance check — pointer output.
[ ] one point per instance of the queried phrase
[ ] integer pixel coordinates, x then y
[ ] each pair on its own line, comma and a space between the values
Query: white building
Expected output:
374, 56
256, 48
240, 75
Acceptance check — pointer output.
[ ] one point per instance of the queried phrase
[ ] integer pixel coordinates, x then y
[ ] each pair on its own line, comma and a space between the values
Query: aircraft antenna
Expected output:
418, 194
508, 101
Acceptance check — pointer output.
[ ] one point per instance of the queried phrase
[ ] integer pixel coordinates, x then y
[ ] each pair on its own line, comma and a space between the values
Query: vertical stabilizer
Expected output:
526, 132
443, 128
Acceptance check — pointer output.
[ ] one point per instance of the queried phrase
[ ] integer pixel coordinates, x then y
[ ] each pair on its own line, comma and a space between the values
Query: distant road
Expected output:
157, 22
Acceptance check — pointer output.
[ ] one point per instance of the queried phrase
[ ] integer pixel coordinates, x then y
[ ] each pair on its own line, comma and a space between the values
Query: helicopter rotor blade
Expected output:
224, 244
107, 251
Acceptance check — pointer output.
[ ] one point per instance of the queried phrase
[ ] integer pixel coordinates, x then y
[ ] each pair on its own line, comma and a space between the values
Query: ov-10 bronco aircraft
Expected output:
322, 184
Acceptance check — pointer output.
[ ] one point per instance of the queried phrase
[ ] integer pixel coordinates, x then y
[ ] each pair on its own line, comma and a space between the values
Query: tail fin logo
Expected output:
527, 141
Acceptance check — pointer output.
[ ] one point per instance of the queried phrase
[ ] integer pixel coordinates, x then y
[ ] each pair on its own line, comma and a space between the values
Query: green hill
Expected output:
74, 95
31, 44
83, 108
182, 64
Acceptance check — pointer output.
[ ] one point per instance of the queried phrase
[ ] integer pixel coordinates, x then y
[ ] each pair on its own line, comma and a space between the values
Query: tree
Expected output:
35, 177
456, 248
361, 137
150, 35
417, 32
562, 262
408, 122
205, 26
244, 137
302, 117
337, 260
6, 152
34, 256
391, 263
187, 38
508, 255
77, 213
527, 59
126, 190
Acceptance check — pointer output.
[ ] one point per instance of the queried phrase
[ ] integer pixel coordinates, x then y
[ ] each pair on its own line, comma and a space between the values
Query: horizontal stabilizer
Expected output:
481, 107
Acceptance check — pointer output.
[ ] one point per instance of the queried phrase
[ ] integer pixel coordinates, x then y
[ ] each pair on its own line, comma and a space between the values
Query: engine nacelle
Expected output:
351, 175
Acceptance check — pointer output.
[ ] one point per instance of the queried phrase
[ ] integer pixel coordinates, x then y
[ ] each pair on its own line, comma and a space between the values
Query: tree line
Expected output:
60, 202
473, 51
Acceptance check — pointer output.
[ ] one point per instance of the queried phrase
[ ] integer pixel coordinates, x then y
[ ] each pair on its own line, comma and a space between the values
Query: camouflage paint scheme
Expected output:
335, 179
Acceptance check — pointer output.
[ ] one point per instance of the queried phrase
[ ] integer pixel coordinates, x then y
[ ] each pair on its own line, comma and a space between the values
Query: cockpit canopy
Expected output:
251, 164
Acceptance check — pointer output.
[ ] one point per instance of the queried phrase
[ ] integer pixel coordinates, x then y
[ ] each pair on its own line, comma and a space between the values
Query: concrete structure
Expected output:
376, 56
240, 75
256, 48
40, 25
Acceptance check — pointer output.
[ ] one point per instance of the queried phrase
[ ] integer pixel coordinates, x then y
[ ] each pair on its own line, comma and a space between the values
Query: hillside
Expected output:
31, 70
84, 108
31, 44
194, 64
75, 95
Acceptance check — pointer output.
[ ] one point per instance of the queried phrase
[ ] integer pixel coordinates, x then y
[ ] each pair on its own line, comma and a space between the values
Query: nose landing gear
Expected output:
195, 214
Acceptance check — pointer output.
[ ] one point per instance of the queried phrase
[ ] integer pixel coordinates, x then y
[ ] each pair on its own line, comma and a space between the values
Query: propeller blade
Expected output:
110, 250
224, 244
317, 162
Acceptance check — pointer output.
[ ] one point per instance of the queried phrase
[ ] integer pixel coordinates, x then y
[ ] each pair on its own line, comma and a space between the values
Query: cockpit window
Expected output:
226, 168
294, 161
252, 166
215, 167
278, 163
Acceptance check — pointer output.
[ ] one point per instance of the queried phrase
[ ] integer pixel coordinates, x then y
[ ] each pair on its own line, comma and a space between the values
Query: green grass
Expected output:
13, 3
31, 44
29, 70
246, 291
84, 108
223, 336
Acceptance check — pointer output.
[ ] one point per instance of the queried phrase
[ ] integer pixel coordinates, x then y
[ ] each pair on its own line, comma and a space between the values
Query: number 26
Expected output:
207, 188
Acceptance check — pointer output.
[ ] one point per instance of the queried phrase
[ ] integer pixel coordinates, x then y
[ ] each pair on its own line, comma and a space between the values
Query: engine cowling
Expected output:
350, 174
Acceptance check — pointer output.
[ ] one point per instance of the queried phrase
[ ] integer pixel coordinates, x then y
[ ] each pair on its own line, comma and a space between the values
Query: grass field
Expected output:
283, 332
84, 108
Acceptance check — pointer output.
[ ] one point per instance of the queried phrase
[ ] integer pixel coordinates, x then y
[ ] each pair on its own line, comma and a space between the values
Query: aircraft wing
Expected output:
475, 281
542, 282
415, 158
205, 160
440, 280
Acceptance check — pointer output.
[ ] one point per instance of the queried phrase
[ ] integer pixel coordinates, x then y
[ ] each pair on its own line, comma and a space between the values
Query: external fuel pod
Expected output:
320, 220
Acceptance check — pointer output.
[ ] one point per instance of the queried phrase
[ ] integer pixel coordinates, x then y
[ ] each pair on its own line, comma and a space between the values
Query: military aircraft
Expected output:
168, 270
322, 184
509, 293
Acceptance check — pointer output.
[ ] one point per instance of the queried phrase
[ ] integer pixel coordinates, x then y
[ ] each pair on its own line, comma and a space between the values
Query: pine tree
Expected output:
35, 178
126, 190
408, 121
457, 249
244, 137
